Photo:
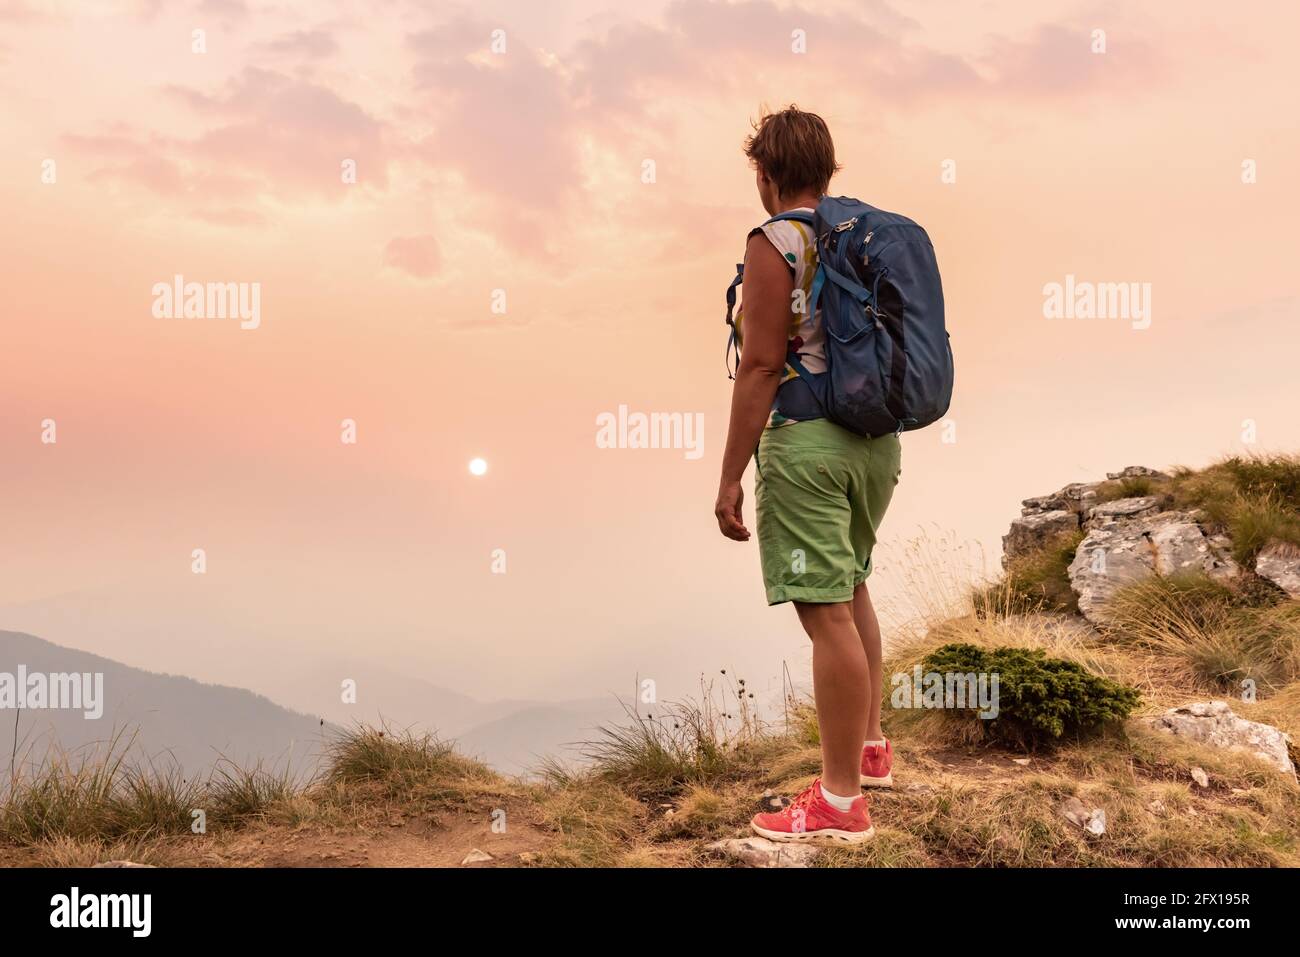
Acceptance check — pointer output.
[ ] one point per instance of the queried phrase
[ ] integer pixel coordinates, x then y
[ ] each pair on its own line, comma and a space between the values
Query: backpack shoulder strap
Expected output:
798, 215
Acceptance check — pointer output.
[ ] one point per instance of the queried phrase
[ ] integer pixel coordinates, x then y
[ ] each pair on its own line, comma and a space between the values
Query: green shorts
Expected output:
821, 493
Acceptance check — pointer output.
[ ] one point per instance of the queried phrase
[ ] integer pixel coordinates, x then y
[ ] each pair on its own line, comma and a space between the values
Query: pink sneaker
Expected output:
809, 818
878, 765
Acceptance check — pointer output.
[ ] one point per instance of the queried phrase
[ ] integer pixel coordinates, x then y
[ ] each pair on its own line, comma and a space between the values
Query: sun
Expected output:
477, 467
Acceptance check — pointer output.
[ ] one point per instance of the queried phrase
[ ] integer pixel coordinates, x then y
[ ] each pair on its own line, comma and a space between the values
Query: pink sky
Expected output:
522, 171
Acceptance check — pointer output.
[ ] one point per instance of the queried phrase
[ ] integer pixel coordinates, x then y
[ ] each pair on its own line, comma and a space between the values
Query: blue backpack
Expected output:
888, 360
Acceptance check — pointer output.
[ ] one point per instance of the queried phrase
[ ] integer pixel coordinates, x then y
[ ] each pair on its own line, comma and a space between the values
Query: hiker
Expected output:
822, 489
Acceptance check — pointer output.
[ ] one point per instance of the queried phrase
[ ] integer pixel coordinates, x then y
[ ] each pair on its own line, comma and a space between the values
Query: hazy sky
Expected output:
129, 158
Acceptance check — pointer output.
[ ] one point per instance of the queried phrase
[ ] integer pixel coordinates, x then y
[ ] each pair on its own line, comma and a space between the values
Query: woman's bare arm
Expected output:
767, 303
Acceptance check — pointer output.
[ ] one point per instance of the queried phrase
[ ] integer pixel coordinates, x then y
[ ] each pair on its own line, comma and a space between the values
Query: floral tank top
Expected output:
795, 242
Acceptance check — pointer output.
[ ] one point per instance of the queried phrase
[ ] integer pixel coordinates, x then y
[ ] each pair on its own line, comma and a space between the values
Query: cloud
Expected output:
504, 121
292, 134
230, 216
16, 12
1057, 61
225, 10
309, 44
708, 48
526, 136
714, 46
417, 256
268, 136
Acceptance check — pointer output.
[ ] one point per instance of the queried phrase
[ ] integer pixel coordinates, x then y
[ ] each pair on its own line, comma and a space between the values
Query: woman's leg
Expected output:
864, 617
840, 683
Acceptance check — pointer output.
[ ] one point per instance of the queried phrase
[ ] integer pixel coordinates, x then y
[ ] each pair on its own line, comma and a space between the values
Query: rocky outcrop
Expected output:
1215, 724
1047, 519
1280, 564
1125, 540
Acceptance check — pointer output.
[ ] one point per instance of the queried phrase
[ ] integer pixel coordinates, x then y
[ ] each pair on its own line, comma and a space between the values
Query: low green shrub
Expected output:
1039, 699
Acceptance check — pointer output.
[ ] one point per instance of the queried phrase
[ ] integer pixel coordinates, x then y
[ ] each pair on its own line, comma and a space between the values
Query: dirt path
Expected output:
405, 843
443, 840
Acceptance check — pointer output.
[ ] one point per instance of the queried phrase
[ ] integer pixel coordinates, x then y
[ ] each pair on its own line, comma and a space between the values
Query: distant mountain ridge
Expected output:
197, 723
193, 723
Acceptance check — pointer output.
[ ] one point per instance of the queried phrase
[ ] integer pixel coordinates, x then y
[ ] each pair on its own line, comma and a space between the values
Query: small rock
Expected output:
760, 852
1076, 497
1280, 564
1157, 806
122, 864
528, 857
1135, 471
476, 856
1200, 777
1091, 819
1022, 761
1121, 508
1043, 503
773, 802
1079, 496
1214, 723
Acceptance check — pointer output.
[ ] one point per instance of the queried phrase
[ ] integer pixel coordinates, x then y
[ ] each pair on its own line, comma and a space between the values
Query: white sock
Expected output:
837, 802
875, 744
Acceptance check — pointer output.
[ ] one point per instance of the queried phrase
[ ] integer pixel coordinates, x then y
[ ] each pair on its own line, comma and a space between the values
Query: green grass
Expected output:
407, 767
1137, 486
594, 820
1038, 581
96, 794
1220, 636
1254, 499
236, 795
658, 752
